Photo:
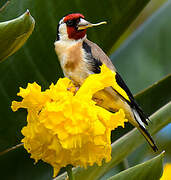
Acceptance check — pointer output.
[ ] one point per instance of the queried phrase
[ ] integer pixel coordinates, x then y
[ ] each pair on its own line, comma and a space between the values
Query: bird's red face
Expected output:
72, 21
73, 26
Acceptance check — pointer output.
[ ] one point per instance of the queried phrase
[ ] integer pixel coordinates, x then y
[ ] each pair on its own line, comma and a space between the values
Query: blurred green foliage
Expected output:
142, 59
145, 56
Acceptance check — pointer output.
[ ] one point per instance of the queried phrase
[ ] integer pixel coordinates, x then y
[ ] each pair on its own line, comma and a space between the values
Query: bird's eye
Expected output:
70, 23
77, 20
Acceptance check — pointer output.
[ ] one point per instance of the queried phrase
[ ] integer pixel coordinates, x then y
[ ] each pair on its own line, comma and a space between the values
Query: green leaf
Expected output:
145, 57
155, 96
14, 33
124, 146
151, 169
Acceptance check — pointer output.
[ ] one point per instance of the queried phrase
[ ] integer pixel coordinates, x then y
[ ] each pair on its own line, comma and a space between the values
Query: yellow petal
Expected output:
67, 128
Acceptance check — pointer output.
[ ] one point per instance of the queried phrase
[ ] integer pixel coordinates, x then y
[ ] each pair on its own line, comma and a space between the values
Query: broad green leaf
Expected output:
155, 96
124, 146
151, 169
145, 57
14, 33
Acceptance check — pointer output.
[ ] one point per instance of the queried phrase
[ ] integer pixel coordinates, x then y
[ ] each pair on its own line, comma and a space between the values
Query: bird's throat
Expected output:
75, 34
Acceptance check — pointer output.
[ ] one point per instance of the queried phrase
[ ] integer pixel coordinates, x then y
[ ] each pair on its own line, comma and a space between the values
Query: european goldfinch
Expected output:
80, 57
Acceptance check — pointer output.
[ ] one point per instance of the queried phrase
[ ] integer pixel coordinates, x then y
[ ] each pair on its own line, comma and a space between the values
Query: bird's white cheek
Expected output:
63, 32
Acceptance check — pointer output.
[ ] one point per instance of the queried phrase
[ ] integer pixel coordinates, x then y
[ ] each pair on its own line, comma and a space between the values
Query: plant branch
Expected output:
11, 149
4, 6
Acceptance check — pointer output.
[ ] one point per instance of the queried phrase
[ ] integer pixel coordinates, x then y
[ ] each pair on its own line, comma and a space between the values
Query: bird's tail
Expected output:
143, 131
147, 136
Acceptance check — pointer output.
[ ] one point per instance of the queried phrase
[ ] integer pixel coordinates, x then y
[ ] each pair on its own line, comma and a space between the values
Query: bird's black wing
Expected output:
95, 63
97, 57
132, 101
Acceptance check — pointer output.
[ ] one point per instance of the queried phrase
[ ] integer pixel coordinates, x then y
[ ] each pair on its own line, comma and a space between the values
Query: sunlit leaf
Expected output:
151, 169
14, 33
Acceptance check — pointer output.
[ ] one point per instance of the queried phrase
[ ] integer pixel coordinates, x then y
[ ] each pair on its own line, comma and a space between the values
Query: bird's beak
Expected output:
83, 24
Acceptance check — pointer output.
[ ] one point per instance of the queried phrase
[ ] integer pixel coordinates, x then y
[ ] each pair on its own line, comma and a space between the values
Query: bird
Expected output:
79, 57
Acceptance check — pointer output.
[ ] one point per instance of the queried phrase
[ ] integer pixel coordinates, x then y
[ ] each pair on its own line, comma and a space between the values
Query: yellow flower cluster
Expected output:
65, 126
166, 172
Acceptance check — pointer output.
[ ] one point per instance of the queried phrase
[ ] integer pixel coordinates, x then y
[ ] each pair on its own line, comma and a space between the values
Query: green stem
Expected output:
4, 6
69, 172
11, 149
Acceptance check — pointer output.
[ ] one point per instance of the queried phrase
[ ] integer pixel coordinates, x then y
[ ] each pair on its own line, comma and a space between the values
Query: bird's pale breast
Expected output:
71, 57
